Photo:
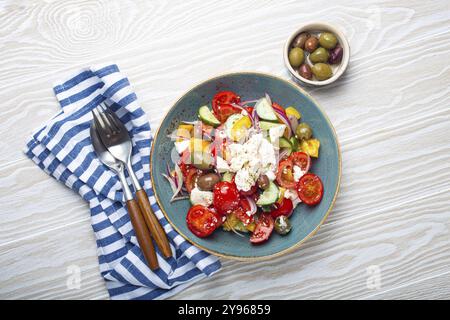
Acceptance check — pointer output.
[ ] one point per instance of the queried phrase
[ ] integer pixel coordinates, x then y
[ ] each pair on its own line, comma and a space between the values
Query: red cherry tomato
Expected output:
191, 178
310, 189
202, 221
225, 197
285, 175
263, 229
221, 105
284, 208
241, 212
302, 160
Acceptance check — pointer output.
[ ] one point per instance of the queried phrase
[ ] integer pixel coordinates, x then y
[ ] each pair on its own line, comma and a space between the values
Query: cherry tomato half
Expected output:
302, 160
263, 229
241, 212
310, 189
284, 208
202, 221
285, 175
191, 178
221, 105
225, 197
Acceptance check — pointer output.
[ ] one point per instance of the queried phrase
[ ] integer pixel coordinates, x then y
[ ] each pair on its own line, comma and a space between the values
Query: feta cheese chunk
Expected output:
270, 175
276, 133
205, 198
298, 173
222, 165
293, 196
248, 160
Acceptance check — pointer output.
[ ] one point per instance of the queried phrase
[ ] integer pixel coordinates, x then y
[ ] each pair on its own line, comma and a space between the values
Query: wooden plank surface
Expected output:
391, 111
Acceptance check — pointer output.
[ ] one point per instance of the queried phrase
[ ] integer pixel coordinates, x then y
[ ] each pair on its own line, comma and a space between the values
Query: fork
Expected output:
116, 139
137, 220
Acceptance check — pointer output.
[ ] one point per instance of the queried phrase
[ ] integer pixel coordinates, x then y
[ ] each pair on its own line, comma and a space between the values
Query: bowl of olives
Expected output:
317, 54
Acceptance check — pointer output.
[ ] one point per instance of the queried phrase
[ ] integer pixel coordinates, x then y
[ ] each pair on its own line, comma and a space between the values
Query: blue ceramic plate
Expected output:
305, 220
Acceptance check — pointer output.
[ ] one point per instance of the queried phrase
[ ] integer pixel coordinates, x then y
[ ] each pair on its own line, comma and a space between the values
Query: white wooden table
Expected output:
388, 236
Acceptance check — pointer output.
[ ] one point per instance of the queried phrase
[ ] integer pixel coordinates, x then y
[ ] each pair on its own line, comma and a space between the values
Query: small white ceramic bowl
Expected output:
317, 27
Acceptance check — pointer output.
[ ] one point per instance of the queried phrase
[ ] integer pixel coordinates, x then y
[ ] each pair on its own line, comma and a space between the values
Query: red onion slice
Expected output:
252, 204
255, 120
283, 153
190, 122
179, 198
237, 106
243, 103
294, 122
283, 118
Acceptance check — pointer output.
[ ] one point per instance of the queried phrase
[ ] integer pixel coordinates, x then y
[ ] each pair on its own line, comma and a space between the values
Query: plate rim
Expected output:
250, 258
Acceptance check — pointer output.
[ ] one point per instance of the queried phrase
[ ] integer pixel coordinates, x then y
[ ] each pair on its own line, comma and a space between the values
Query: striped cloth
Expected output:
62, 148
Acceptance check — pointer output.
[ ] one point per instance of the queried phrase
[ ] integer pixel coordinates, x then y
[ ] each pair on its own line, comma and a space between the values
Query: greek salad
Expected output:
244, 166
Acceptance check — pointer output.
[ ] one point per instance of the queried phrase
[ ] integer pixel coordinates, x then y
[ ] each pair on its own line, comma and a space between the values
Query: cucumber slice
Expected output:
207, 116
265, 110
265, 125
267, 208
294, 143
227, 176
269, 196
284, 143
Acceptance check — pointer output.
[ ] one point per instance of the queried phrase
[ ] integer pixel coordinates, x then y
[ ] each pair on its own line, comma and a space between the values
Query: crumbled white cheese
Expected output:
204, 198
293, 196
248, 160
222, 165
180, 146
270, 175
244, 180
298, 173
275, 133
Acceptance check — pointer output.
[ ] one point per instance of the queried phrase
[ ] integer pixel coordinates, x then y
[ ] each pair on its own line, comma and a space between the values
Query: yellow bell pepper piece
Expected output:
281, 195
184, 131
291, 111
240, 127
311, 147
198, 145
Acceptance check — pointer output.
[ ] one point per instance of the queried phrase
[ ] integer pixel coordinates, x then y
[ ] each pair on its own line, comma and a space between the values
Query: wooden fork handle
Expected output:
142, 234
153, 224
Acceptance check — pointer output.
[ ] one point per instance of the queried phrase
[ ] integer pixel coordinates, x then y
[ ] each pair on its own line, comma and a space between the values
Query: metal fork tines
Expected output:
107, 122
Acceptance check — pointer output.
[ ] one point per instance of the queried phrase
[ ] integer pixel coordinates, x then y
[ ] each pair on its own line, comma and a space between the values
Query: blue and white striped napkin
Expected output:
63, 149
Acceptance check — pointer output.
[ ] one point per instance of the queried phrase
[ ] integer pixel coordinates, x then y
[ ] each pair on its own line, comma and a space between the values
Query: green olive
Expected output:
322, 71
296, 57
282, 225
303, 131
319, 55
328, 40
